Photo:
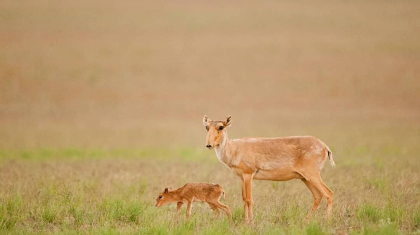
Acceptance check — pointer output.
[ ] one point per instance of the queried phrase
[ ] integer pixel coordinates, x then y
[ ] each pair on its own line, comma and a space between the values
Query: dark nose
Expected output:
208, 146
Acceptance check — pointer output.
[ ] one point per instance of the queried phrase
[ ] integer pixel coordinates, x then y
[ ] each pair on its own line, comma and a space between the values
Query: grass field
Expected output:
101, 107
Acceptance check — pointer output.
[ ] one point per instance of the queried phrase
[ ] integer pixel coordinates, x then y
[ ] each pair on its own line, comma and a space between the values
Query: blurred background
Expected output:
134, 74
101, 107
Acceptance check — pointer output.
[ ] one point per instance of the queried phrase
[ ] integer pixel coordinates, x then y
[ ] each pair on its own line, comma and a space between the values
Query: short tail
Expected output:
330, 157
224, 194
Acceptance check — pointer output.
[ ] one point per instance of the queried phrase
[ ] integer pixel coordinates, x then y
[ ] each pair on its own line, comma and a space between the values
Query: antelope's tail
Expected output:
330, 157
224, 194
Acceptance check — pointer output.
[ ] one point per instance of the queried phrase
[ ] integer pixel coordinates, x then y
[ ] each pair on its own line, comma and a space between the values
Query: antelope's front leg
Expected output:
248, 192
189, 209
178, 208
244, 199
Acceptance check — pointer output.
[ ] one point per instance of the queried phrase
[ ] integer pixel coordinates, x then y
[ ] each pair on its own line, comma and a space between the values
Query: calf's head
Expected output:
163, 198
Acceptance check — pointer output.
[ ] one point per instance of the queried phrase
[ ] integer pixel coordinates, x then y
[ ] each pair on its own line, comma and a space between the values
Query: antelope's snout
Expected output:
209, 146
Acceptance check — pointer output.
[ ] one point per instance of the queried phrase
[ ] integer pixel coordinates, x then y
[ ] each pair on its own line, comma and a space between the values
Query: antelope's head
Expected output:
216, 131
163, 198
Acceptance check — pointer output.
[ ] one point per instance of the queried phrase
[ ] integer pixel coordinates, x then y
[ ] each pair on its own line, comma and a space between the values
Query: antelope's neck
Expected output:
175, 195
222, 151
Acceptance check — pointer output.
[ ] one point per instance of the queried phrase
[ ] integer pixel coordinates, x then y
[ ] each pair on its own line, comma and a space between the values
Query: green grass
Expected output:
369, 212
113, 192
416, 219
9, 212
45, 154
314, 229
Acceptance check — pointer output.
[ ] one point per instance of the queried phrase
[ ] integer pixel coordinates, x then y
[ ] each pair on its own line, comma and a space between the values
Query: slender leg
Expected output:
245, 203
314, 179
226, 209
329, 196
248, 189
317, 183
214, 208
178, 208
317, 198
189, 209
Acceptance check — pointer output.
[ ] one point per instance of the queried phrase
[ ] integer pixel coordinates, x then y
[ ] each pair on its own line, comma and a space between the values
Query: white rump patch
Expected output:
321, 162
318, 150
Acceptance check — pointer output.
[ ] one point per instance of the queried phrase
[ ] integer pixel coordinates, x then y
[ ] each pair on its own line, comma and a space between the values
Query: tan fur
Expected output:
279, 159
191, 192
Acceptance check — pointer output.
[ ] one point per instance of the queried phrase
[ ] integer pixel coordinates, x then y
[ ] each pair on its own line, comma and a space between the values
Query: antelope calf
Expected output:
191, 192
279, 159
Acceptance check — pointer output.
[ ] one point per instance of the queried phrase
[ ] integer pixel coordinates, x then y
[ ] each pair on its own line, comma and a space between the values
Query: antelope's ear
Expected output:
206, 120
228, 121
166, 190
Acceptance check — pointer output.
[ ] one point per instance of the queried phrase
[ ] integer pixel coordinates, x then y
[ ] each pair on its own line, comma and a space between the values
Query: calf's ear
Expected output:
166, 190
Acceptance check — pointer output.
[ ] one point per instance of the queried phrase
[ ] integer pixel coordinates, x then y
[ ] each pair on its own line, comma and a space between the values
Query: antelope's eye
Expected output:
160, 197
207, 127
220, 127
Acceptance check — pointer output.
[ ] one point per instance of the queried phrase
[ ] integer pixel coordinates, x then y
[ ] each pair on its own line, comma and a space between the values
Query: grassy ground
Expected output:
376, 185
101, 105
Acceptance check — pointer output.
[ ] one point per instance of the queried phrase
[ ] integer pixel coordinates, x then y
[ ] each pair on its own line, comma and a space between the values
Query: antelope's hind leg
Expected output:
317, 199
314, 181
214, 208
226, 209
329, 196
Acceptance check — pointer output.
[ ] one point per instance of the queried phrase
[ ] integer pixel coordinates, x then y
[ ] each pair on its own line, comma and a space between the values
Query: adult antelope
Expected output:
278, 159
